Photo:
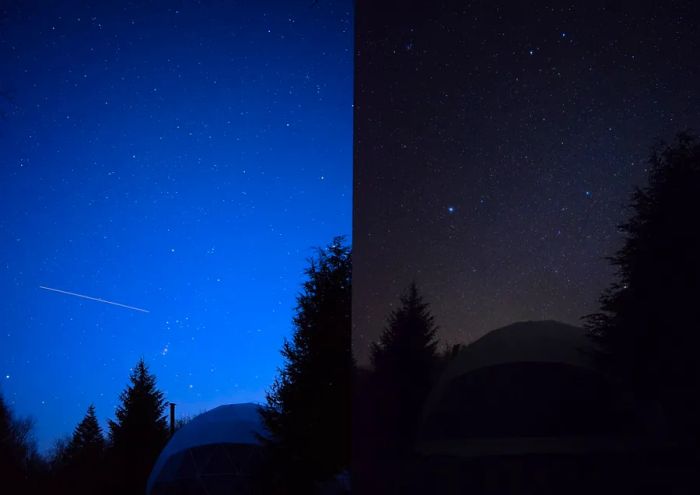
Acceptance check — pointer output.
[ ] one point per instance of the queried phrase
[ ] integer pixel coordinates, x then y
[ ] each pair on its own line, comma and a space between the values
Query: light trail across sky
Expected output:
94, 299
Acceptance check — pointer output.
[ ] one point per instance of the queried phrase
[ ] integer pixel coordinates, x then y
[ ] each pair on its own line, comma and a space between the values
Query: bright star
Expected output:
450, 209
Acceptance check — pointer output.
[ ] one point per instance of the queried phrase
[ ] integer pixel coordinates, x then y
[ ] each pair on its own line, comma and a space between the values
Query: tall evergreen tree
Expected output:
78, 464
139, 432
308, 407
648, 326
404, 361
87, 440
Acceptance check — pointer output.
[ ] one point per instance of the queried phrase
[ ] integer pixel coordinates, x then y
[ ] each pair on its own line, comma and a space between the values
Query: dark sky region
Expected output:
180, 157
496, 145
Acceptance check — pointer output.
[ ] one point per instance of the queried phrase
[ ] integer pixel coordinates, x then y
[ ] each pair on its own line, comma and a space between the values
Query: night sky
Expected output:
173, 157
496, 146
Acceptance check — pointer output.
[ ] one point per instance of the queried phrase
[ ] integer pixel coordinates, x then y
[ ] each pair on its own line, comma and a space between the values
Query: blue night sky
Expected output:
173, 157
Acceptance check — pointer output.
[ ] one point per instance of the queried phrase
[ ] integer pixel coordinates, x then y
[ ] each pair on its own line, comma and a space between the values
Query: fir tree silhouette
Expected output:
647, 329
139, 432
78, 464
404, 362
308, 407
87, 440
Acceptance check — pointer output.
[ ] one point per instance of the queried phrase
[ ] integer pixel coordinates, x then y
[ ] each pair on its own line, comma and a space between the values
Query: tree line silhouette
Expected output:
646, 335
89, 461
322, 406
306, 414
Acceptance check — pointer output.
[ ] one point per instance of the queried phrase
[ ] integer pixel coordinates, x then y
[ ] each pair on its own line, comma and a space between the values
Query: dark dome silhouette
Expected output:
525, 380
214, 453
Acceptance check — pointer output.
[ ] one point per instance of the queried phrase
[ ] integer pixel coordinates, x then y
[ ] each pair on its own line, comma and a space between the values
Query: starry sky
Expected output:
176, 157
496, 145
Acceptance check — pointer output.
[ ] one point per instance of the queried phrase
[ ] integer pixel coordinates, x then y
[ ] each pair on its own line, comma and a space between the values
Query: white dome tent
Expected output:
525, 409
212, 454
530, 386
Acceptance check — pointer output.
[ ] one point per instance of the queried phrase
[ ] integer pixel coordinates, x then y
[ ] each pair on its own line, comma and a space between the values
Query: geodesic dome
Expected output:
526, 380
214, 453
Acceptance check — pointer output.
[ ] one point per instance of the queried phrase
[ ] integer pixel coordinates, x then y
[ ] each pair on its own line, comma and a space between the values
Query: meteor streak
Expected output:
94, 299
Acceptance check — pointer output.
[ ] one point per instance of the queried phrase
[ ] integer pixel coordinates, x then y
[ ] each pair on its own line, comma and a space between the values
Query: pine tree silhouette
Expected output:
404, 361
87, 440
647, 329
78, 464
308, 406
139, 432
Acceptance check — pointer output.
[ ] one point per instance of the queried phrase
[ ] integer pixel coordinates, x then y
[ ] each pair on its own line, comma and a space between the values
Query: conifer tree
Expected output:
87, 440
139, 432
78, 464
307, 413
404, 362
647, 328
